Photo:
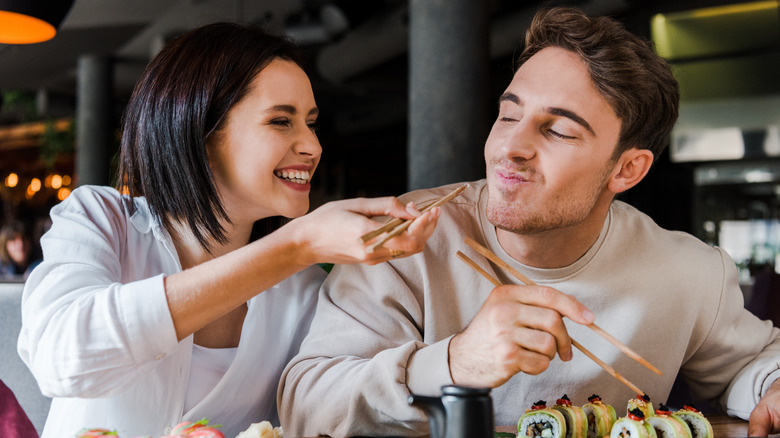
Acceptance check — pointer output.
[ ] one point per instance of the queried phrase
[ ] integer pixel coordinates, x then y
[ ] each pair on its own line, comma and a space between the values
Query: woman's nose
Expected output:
308, 144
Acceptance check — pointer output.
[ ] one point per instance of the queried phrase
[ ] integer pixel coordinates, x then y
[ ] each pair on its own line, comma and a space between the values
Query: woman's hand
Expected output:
331, 233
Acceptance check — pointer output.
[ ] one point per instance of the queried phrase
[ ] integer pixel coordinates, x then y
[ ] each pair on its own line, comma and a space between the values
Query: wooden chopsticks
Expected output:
598, 330
398, 226
579, 346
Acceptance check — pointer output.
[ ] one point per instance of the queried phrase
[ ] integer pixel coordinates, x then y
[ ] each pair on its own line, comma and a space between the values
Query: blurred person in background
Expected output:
16, 255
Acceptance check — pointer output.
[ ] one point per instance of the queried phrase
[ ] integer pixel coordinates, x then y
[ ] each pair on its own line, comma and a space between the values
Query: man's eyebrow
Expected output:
571, 116
292, 110
510, 97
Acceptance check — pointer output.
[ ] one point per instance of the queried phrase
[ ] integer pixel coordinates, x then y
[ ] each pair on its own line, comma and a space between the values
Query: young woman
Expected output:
170, 302
15, 251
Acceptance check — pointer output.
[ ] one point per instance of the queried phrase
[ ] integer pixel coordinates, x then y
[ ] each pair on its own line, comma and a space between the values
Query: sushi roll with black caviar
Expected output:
541, 422
668, 426
576, 421
699, 424
643, 403
600, 416
633, 425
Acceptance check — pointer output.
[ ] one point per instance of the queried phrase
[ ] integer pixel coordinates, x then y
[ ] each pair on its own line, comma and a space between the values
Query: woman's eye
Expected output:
281, 122
314, 126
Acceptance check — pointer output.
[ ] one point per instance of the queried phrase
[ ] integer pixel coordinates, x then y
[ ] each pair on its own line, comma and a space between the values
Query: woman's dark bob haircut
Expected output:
181, 99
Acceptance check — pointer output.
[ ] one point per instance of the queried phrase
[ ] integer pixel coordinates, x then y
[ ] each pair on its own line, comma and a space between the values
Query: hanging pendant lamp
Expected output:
31, 21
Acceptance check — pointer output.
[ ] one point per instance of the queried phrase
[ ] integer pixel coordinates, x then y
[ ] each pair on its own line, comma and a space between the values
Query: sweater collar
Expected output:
539, 275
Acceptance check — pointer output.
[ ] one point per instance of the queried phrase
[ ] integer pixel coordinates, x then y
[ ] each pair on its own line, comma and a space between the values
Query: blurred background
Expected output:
408, 91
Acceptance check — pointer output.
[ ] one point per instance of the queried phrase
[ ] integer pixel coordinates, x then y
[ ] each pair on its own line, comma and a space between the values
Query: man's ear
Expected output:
630, 168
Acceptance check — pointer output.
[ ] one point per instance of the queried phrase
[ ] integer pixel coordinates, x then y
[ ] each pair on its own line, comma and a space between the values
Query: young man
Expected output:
586, 113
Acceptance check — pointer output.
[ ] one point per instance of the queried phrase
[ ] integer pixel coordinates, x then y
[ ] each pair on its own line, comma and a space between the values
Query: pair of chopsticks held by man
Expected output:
184, 298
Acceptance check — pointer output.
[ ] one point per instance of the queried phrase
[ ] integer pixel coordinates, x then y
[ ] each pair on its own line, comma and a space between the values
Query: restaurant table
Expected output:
723, 426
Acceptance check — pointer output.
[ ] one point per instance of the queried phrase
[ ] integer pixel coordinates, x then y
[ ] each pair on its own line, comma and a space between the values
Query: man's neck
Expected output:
555, 248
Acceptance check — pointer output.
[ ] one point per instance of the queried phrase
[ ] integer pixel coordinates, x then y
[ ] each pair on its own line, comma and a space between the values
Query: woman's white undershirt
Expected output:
208, 366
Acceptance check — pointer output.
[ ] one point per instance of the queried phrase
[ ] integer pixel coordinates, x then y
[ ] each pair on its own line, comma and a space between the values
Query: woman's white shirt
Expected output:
98, 335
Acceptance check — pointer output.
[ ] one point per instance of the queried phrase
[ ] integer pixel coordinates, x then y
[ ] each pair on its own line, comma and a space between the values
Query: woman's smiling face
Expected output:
266, 153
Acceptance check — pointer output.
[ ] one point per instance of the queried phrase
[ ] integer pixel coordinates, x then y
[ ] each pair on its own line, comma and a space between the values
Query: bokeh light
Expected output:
11, 180
63, 193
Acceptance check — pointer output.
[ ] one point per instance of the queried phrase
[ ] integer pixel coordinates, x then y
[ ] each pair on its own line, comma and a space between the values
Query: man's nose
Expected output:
522, 140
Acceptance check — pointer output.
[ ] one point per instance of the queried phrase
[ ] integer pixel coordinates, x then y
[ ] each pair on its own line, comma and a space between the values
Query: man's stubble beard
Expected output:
559, 212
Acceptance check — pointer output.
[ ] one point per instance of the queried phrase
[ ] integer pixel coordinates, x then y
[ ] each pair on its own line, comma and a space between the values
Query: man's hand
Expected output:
518, 329
765, 418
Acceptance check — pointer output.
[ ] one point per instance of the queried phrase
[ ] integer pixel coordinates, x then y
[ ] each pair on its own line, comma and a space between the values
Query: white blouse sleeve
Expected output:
87, 329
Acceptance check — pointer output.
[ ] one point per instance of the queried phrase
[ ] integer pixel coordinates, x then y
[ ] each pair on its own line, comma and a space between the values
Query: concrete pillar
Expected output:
448, 91
95, 126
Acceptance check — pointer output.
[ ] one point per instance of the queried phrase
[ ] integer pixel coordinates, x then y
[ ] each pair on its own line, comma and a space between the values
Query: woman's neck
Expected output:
192, 253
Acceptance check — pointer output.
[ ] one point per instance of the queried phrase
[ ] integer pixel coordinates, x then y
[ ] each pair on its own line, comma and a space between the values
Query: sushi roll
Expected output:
91, 433
576, 422
541, 422
641, 402
699, 425
600, 416
199, 429
667, 426
633, 425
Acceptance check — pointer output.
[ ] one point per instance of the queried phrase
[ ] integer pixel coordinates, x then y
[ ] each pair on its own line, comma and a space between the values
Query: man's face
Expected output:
549, 152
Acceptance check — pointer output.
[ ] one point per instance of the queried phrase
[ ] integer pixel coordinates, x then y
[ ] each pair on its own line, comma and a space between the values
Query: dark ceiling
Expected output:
357, 52
131, 32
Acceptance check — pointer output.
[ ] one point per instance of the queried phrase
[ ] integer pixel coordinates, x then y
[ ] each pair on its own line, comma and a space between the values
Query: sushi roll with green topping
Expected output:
699, 425
576, 421
633, 425
600, 416
641, 402
667, 426
541, 422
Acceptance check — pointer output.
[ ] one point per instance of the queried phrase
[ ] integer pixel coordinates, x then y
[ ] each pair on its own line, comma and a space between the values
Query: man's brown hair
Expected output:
637, 83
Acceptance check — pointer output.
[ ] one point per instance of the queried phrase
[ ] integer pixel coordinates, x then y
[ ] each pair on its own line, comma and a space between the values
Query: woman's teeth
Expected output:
296, 176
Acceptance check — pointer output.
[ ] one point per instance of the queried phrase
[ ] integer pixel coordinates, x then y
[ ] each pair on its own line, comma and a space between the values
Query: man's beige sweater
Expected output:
382, 332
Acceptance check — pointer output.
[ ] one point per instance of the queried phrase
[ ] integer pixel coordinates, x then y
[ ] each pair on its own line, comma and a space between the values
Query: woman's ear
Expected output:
630, 168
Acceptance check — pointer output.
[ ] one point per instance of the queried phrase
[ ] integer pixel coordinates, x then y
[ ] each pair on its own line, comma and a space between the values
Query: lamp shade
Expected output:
31, 21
